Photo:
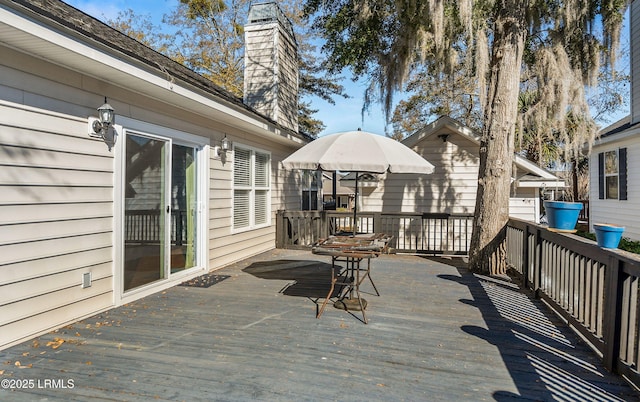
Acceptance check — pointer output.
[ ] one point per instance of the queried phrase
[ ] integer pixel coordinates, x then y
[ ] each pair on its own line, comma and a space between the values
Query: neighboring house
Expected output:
344, 194
453, 149
614, 161
84, 228
614, 189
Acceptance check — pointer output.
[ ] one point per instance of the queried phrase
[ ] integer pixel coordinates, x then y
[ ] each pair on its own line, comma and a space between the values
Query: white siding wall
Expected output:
450, 188
56, 221
524, 208
619, 212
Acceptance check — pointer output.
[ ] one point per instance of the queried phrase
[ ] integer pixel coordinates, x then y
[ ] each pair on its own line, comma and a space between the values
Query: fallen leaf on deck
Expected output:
55, 343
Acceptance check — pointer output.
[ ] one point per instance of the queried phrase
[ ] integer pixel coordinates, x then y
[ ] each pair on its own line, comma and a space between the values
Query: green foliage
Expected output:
629, 245
306, 123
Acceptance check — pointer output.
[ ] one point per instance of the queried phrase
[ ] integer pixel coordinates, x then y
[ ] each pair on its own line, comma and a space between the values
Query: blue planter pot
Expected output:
562, 215
608, 236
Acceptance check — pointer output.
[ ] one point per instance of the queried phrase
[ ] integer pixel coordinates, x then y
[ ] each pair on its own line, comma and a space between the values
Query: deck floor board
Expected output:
437, 332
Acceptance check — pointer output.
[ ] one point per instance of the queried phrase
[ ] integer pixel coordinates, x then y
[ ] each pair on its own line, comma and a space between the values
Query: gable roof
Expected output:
466, 132
64, 35
619, 130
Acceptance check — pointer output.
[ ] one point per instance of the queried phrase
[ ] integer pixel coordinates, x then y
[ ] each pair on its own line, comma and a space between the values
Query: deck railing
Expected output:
416, 233
594, 289
143, 227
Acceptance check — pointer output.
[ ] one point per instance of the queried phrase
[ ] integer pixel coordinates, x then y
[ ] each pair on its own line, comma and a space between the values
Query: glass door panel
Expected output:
145, 206
184, 208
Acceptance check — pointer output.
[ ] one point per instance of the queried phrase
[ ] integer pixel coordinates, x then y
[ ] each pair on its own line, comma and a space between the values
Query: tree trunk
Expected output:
574, 179
487, 253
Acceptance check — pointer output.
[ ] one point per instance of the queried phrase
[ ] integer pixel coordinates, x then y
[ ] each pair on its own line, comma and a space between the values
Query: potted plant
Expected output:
607, 235
562, 216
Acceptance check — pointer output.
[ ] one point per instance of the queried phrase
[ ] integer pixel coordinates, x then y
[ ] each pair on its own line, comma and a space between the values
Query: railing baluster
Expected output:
613, 307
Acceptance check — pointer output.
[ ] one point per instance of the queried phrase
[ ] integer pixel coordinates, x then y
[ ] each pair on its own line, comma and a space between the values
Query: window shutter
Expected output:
601, 175
622, 173
242, 167
241, 197
262, 170
261, 207
241, 208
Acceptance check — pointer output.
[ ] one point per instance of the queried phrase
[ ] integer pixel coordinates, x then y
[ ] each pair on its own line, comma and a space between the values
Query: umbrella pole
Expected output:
355, 208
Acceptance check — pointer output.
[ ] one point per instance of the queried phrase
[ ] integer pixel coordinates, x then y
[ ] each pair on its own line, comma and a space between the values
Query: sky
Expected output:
345, 115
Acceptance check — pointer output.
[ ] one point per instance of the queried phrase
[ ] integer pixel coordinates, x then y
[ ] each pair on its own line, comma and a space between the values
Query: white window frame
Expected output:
252, 189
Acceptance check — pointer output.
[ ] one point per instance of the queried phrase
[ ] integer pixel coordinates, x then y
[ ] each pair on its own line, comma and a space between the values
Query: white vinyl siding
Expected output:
251, 188
451, 188
56, 223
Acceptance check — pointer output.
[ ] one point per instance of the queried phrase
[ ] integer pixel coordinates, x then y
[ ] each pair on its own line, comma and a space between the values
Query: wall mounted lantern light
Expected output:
102, 127
225, 145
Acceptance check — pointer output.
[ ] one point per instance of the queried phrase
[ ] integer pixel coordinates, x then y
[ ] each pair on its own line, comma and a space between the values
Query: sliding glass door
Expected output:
184, 207
160, 209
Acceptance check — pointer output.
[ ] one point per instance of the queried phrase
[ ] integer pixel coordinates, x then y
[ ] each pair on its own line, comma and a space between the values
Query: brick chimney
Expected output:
271, 64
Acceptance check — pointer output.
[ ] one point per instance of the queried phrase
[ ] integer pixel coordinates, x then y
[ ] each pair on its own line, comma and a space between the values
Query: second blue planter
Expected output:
562, 215
608, 236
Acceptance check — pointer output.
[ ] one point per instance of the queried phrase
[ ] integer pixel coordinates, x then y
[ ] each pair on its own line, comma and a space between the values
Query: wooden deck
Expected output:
436, 332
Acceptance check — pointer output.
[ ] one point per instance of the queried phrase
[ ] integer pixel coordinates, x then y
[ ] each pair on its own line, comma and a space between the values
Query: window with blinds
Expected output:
251, 188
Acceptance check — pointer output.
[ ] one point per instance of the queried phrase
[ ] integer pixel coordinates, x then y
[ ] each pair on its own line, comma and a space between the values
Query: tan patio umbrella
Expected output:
358, 152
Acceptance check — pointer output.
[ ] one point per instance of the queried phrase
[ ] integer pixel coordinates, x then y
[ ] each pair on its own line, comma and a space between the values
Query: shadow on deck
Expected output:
437, 332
